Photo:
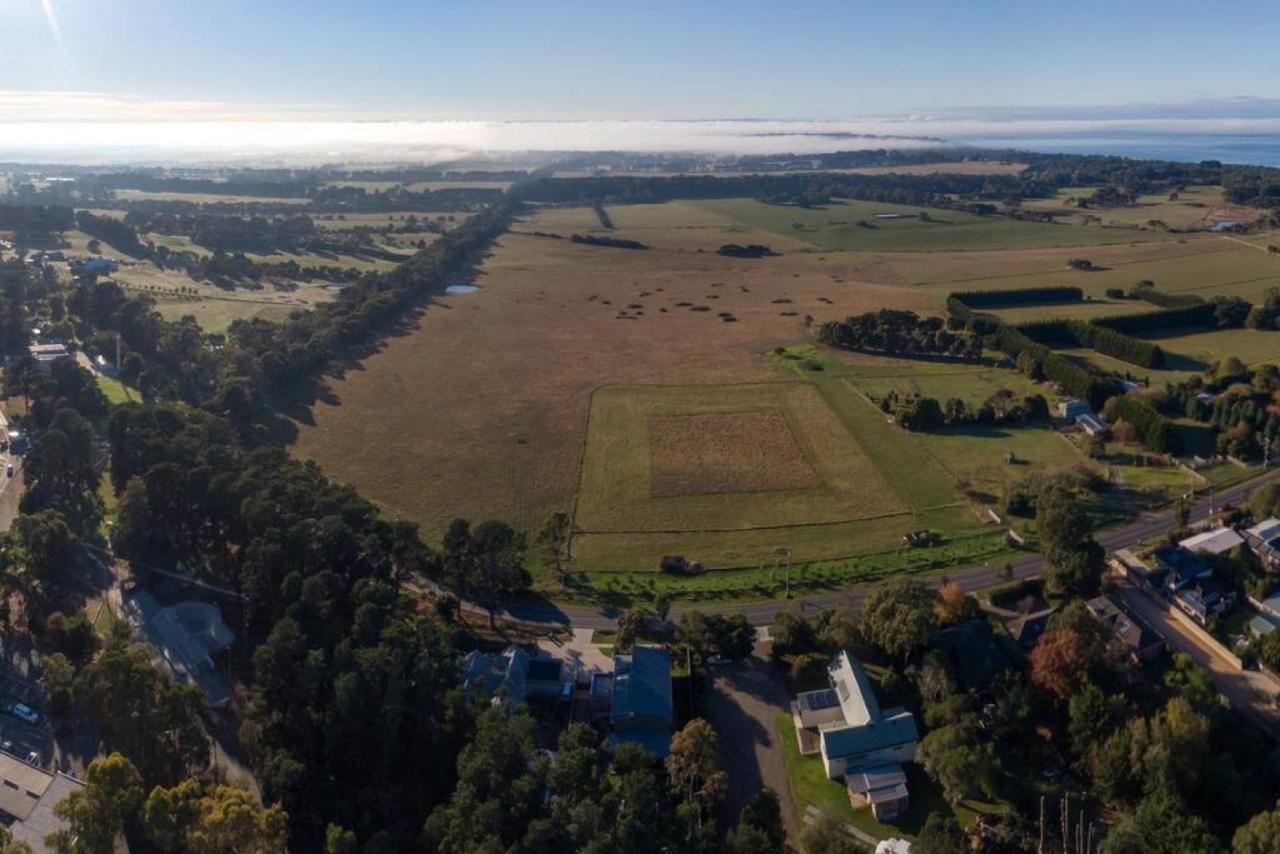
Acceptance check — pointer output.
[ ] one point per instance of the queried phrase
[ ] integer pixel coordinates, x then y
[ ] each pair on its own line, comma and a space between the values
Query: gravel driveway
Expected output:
744, 701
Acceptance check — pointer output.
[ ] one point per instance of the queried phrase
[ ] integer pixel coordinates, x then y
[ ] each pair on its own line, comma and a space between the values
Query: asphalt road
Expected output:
1251, 692
971, 578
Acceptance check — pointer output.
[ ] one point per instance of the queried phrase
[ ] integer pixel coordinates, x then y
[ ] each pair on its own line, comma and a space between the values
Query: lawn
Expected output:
115, 390
810, 786
973, 384
646, 469
866, 226
975, 455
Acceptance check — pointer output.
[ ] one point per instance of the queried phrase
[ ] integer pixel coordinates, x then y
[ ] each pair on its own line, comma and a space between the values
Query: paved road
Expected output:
1250, 692
743, 705
971, 578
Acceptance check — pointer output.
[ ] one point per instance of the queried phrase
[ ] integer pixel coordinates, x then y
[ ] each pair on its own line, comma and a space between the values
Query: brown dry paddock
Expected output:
481, 410
710, 453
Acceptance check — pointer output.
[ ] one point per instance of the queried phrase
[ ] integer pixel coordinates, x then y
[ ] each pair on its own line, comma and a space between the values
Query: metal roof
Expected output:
1216, 541
857, 700
642, 686
856, 740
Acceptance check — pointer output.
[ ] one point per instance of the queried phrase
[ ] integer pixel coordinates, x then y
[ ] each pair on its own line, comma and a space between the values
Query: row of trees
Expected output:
919, 413
899, 332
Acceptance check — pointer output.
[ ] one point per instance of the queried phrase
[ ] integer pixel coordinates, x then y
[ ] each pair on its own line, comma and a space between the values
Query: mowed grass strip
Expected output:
617, 494
872, 548
897, 454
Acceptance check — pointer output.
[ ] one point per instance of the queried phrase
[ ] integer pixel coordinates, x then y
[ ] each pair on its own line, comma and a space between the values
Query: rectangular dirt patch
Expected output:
718, 452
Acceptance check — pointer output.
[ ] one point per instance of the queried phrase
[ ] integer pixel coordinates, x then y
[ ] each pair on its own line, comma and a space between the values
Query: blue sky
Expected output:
656, 59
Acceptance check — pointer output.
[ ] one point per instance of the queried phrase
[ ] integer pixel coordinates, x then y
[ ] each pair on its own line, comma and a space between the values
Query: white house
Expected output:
857, 740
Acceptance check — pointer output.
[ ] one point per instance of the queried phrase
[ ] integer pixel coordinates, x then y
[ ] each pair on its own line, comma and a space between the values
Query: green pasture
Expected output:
899, 228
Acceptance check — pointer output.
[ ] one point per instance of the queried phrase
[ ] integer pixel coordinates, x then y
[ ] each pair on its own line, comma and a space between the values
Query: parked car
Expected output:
24, 712
9, 471
33, 758
6, 746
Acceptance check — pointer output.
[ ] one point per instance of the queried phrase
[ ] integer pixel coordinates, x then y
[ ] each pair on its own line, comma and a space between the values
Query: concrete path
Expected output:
811, 815
743, 704
1251, 692
580, 656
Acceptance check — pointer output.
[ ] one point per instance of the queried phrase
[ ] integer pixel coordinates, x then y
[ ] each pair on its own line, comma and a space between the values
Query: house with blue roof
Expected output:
641, 710
857, 739
1189, 581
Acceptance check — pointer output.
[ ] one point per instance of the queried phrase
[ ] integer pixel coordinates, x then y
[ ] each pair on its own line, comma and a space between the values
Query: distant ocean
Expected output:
1253, 149
310, 142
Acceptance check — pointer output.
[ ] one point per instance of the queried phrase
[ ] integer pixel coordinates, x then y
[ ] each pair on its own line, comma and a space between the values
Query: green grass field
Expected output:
836, 227
1204, 265
971, 383
617, 492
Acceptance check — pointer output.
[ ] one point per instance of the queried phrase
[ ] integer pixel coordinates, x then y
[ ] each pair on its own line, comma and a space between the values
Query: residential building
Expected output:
641, 710
1069, 409
857, 740
500, 676
1026, 629
1187, 578
1215, 541
28, 794
512, 675
1180, 567
94, 264
1140, 641
1091, 424
1264, 540
45, 354
1269, 606
1205, 599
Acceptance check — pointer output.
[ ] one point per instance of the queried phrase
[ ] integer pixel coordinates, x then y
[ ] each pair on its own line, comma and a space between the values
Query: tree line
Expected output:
899, 332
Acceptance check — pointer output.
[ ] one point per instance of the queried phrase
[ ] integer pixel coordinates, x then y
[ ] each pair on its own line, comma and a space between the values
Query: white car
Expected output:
25, 712
33, 758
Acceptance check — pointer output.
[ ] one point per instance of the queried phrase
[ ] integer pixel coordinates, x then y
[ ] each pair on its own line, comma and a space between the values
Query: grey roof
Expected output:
1215, 541
28, 795
1027, 628
868, 779
888, 731
503, 672
642, 686
1127, 627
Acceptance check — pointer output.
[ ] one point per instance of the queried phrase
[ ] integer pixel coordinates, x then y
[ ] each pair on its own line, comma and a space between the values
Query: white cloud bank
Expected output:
96, 128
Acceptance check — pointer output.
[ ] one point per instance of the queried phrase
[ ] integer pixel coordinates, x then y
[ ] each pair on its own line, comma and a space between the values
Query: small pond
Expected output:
461, 289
